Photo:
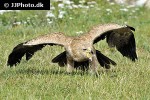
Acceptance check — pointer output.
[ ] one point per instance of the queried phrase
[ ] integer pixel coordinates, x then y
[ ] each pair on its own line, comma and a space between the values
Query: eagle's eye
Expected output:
84, 49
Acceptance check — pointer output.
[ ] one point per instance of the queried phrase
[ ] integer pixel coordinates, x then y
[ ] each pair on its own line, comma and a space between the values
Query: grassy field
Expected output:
39, 79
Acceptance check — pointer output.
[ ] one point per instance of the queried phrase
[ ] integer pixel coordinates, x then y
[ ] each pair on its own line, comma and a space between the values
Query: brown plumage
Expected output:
79, 51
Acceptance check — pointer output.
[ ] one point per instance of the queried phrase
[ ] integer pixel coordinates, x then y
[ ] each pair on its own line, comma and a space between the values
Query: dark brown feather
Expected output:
103, 60
20, 50
123, 39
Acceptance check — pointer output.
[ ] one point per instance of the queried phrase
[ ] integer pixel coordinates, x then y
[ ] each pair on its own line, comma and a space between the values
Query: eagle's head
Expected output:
88, 53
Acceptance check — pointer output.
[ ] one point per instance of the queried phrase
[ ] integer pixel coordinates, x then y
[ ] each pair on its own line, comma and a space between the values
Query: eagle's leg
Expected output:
93, 65
70, 65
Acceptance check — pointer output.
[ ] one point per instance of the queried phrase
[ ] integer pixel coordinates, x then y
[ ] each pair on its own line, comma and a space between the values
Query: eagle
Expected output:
80, 51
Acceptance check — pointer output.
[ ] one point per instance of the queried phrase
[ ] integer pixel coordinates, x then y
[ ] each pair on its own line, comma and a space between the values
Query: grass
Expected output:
39, 79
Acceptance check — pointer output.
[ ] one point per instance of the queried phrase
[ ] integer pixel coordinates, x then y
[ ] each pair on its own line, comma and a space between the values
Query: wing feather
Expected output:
52, 38
99, 30
19, 51
123, 39
30, 47
117, 36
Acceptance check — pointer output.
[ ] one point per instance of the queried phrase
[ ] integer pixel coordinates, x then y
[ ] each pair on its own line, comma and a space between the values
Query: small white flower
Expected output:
16, 23
92, 6
61, 14
68, 2
70, 18
75, 6
61, 5
48, 19
28, 19
35, 15
112, 3
109, 10
82, 1
80, 32
24, 22
52, 8
50, 14
50, 22
124, 9
80, 6
125, 22
91, 3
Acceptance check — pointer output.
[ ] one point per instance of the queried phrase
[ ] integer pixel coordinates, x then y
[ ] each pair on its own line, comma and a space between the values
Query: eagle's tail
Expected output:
62, 61
102, 59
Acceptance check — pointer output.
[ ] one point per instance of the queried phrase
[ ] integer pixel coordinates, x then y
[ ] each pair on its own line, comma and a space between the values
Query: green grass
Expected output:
39, 79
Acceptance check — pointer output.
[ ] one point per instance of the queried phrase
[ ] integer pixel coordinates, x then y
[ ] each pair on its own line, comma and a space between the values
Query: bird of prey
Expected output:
79, 51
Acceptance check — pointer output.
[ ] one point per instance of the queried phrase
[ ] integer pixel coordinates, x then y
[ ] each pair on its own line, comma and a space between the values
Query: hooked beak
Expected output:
89, 54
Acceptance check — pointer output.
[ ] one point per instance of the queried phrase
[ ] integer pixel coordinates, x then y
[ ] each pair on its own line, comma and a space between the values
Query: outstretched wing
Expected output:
30, 47
117, 36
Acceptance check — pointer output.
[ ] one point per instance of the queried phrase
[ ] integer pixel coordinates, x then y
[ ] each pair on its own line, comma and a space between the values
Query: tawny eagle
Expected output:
79, 51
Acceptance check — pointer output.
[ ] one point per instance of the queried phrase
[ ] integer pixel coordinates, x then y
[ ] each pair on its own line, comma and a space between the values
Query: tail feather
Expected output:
62, 61
102, 59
